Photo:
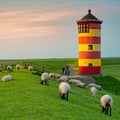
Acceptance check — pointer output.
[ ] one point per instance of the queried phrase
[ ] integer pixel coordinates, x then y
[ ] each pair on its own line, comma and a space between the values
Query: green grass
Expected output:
24, 98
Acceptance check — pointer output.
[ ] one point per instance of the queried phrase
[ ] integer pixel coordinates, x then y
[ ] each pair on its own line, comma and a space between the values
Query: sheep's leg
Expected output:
110, 110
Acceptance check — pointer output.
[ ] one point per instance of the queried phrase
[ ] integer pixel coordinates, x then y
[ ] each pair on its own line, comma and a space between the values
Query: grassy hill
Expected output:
24, 98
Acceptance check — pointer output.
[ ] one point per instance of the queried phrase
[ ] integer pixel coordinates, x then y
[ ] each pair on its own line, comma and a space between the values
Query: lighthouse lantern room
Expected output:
89, 44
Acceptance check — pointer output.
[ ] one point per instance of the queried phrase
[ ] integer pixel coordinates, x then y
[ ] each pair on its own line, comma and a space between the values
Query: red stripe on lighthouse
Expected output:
91, 55
89, 40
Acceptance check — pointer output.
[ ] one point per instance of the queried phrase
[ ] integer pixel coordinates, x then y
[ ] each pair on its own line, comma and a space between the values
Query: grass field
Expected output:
24, 98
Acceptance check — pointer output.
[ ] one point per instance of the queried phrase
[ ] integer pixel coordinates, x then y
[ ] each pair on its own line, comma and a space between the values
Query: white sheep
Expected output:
6, 78
64, 89
44, 78
106, 102
51, 75
57, 75
95, 85
62, 79
30, 68
17, 67
9, 69
93, 90
80, 84
73, 81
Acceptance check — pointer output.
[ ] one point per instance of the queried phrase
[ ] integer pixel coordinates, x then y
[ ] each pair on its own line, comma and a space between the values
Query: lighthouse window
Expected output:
90, 65
84, 28
90, 47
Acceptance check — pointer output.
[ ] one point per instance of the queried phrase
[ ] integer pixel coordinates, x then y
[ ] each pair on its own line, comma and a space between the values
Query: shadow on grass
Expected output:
109, 83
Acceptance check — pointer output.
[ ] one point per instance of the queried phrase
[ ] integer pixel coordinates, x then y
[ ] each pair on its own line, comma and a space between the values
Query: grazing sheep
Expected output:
6, 78
106, 102
64, 89
51, 75
17, 67
57, 75
44, 78
94, 85
62, 79
73, 81
80, 84
93, 90
30, 68
9, 69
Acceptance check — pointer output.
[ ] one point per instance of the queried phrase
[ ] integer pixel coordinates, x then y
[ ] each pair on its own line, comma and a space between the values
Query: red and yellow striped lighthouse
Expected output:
89, 44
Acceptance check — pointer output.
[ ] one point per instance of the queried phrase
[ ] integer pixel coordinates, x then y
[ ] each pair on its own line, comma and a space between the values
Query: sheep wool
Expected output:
106, 102
93, 90
17, 67
64, 89
44, 78
30, 68
6, 78
9, 69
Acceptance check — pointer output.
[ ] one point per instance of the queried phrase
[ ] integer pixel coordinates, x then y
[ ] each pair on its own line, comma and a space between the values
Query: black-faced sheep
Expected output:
64, 89
51, 75
30, 68
17, 67
9, 69
106, 102
44, 78
6, 78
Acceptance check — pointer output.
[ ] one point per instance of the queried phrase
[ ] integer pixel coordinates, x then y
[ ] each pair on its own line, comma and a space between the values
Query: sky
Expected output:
38, 29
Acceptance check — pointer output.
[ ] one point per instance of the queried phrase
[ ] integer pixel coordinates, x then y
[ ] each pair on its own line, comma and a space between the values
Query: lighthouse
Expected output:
89, 44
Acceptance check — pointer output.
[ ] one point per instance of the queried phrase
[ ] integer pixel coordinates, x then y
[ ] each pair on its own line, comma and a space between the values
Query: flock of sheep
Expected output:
106, 101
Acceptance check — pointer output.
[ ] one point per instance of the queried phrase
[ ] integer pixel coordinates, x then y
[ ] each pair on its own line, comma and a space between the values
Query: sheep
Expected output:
106, 102
73, 81
95, 85
93, 90
9, 69
80, 84
64, 89
6, 78
17, 67
44, 78
62, 79
30, 68
51, 75
57, 75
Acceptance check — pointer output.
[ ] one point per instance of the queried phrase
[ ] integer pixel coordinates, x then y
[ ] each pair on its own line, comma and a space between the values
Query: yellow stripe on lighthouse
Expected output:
92, 32
85, 62
84, 47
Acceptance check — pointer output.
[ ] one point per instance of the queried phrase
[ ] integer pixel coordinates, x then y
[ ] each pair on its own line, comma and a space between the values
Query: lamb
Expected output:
93, 90
9, 69
17, 67
106, 102
64, 89
30, 68
44, 78
6, 78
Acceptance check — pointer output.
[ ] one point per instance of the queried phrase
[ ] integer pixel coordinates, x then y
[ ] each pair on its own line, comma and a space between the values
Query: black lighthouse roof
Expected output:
89, 18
